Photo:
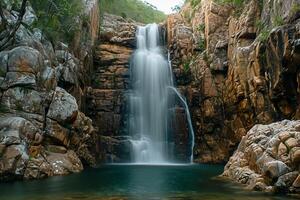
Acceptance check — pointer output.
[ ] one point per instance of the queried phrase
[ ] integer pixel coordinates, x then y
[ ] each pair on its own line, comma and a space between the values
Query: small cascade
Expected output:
150, 100
183, 101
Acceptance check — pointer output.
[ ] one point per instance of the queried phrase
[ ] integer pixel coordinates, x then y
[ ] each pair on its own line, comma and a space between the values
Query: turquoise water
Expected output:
134, 182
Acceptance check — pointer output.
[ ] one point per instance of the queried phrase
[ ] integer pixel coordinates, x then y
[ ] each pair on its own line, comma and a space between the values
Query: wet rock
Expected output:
286, 181
63, 164
115, 149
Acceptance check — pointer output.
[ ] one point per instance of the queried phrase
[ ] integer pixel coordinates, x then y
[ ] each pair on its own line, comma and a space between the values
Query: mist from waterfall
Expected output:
152, 100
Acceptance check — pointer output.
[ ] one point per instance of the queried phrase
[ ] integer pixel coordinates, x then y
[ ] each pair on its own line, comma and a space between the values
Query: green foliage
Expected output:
259, 25
264, 35
295, 8
201, 28
58, 19
236, 3
186, 66
194, 3
265, 29
134, 9
201, 44
278, 21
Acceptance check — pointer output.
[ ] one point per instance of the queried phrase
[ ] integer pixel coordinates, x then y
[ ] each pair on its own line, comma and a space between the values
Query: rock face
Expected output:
42, 130
240, 69
268, 158
106, 98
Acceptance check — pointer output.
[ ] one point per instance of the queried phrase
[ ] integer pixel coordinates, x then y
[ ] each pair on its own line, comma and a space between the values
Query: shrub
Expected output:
134, 9
58, 19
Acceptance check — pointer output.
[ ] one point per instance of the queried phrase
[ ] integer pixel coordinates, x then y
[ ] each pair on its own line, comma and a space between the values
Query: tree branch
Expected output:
12, 32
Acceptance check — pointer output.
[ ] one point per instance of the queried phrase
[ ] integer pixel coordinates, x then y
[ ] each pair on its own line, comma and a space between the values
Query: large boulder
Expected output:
63, 108
265, 158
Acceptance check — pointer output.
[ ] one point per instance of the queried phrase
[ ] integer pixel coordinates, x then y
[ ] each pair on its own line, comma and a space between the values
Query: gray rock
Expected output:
24, 59
63, 107
23, 79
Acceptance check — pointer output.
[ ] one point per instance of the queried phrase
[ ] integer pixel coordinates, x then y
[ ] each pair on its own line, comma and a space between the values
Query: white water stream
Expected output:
151, 99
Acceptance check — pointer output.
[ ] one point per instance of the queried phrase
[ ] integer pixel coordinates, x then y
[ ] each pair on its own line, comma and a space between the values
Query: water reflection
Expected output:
115, 182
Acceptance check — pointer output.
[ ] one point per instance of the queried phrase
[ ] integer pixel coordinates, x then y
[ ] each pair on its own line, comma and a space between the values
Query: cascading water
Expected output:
151, 100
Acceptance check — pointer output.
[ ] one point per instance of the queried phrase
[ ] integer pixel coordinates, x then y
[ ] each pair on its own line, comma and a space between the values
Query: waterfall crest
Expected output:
151, 100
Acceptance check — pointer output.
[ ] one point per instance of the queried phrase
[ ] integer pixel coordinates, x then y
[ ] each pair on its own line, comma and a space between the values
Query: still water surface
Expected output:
136, 182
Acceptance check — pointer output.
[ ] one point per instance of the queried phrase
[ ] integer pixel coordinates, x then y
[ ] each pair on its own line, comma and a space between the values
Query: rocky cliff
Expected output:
106, 98
238, 66
42, 130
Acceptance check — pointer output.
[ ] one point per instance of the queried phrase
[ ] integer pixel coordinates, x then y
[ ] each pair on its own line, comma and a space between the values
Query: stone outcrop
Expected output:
241, 69
106, 98
268, 158
42, 129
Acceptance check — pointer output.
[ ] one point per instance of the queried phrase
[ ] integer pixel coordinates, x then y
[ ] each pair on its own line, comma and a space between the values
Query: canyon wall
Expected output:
106, 98
237, 64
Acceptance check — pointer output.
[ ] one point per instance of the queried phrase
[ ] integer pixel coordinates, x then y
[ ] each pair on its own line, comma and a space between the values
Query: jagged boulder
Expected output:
63, 108
265, 159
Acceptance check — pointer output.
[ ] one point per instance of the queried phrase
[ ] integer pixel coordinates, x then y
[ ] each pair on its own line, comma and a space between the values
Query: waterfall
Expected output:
150, 100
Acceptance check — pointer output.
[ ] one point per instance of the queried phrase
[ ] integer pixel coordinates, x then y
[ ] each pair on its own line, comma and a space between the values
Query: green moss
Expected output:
133, 9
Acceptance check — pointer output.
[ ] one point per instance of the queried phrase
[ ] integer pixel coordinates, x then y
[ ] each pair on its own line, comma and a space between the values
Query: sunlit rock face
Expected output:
106, 98
42, 130
268, 158
233, 73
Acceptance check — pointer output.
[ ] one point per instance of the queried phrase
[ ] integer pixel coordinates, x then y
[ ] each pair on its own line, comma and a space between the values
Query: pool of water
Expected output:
135, 182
